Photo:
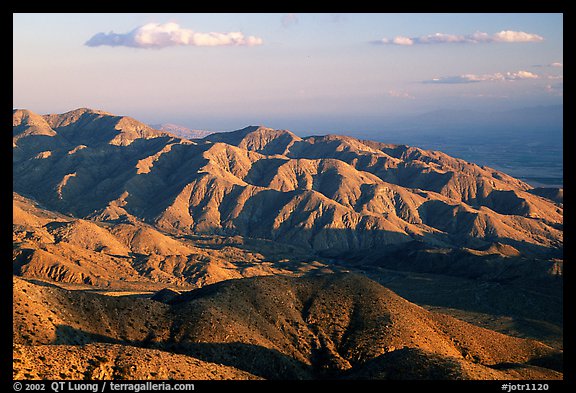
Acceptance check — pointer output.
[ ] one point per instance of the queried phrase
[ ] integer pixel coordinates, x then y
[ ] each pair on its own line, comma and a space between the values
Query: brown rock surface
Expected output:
327, 193
238, 235
276, 327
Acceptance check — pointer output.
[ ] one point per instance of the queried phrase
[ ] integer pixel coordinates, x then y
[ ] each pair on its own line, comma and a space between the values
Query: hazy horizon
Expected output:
295, 71
443, 119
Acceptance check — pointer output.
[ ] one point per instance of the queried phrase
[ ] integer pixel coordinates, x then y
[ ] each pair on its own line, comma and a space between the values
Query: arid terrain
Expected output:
258, 254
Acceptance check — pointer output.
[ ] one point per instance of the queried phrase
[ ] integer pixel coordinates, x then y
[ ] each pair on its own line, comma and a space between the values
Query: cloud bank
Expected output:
476, 38
156, 35
475, 78
551, 65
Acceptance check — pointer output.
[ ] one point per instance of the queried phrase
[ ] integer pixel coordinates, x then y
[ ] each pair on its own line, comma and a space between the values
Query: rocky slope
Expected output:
325, 193
103, 361
130, 254
277, 327
129, 219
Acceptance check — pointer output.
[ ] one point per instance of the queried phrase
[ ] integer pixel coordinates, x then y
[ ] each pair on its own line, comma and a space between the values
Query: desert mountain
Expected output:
552, 193
128, 255
229, 257
132, 254
334, 325
181, 131
331, 193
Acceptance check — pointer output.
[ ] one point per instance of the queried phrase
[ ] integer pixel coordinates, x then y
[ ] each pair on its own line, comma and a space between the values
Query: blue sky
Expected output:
294, 71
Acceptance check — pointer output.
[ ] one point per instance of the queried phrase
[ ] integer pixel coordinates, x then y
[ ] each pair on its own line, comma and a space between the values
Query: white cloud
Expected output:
403, 41
474, 78
516, 36
475, 38
520, 75
156, 35
551, 65
439, 38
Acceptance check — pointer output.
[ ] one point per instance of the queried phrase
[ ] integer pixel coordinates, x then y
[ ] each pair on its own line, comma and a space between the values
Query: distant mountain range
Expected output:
332, 194
186, 229
529, 119
525, 143
181, 131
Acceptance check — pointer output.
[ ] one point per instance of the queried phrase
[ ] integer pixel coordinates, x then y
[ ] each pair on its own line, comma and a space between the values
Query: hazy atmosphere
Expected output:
304, 72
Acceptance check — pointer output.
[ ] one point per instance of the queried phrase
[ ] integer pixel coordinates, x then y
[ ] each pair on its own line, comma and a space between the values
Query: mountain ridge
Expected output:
224, 182
259, 254
181, 131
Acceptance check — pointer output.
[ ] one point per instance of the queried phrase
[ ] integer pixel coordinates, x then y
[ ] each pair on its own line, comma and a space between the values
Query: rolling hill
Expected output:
276, 327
